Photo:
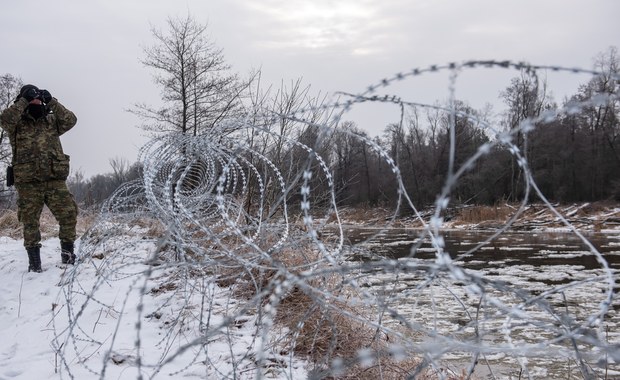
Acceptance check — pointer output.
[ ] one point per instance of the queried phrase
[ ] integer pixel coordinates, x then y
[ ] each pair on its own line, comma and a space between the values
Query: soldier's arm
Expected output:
11, 116
65, 119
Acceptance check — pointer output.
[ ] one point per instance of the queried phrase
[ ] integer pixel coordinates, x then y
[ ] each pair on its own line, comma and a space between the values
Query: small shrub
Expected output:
479, 214
9, 224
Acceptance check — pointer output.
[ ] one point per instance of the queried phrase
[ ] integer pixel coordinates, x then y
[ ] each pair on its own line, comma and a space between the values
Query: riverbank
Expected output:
584, 217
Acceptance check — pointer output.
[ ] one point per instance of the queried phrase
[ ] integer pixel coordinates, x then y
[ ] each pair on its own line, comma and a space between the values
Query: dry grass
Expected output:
363, 214
597, 207
153, 227
319, 329
11, 227
479, 214
324, 331
9, 224
85, 220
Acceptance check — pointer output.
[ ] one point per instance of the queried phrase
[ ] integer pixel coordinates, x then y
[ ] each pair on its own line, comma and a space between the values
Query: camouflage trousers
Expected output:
31, 197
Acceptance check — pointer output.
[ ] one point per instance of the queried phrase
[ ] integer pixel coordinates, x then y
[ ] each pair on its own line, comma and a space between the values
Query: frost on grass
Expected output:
239, 270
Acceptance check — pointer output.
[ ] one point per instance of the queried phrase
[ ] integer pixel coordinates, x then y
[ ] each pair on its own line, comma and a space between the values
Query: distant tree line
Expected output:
573, 157
91, 192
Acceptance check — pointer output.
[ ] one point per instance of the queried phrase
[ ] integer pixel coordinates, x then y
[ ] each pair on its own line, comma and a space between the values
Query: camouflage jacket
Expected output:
37, 151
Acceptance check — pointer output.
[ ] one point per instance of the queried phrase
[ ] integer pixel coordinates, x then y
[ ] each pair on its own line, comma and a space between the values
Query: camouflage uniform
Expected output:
40, 168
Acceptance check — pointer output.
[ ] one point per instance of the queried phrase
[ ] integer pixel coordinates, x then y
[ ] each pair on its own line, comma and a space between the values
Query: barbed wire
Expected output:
216, 238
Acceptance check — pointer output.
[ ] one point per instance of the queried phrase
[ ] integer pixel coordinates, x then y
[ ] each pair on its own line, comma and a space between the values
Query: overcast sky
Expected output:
87, 52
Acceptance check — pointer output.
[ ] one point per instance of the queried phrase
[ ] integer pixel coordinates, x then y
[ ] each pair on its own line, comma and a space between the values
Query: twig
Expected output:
98, 318
606, 355
19, 307
56, 358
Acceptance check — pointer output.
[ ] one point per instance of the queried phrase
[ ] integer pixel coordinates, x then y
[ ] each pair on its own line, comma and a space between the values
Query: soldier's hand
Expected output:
45, 96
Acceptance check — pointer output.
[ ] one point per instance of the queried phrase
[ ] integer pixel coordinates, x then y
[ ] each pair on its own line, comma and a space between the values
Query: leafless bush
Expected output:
9, 224
477, 214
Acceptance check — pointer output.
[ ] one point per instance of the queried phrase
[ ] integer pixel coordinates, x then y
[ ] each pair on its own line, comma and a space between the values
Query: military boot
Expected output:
34, 259
66, 252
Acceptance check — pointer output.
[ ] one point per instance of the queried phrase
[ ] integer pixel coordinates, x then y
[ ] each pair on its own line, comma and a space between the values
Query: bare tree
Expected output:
526, 97
284, 120
601, 124
78, 185
197, 87
356, 172
9, 86
120, 170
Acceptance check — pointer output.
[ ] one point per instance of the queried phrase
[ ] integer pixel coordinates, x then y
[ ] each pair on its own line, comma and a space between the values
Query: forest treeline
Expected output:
573, 156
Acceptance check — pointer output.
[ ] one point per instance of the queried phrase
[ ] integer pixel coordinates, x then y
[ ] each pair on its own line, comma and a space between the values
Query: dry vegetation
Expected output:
312, 327
10, 226
326, 331
319, 329
584, 216
480, 214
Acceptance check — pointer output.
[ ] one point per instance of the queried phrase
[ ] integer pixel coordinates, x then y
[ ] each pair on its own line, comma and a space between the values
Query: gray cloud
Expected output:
87, 52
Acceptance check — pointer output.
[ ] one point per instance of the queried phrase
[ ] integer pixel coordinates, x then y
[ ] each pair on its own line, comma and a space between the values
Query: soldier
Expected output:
34, 124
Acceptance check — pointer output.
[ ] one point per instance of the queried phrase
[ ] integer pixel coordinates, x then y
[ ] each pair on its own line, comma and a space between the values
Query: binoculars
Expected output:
35, 93
39, 94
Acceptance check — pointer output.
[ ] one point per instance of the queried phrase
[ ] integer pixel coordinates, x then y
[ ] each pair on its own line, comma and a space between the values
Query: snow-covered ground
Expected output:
115, 313
120, 314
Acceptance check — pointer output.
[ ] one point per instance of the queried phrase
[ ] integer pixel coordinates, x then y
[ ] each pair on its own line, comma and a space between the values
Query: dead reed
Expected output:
480, 214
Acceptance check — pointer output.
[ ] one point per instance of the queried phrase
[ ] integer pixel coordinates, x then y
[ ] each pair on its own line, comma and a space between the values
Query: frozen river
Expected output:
533, 293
